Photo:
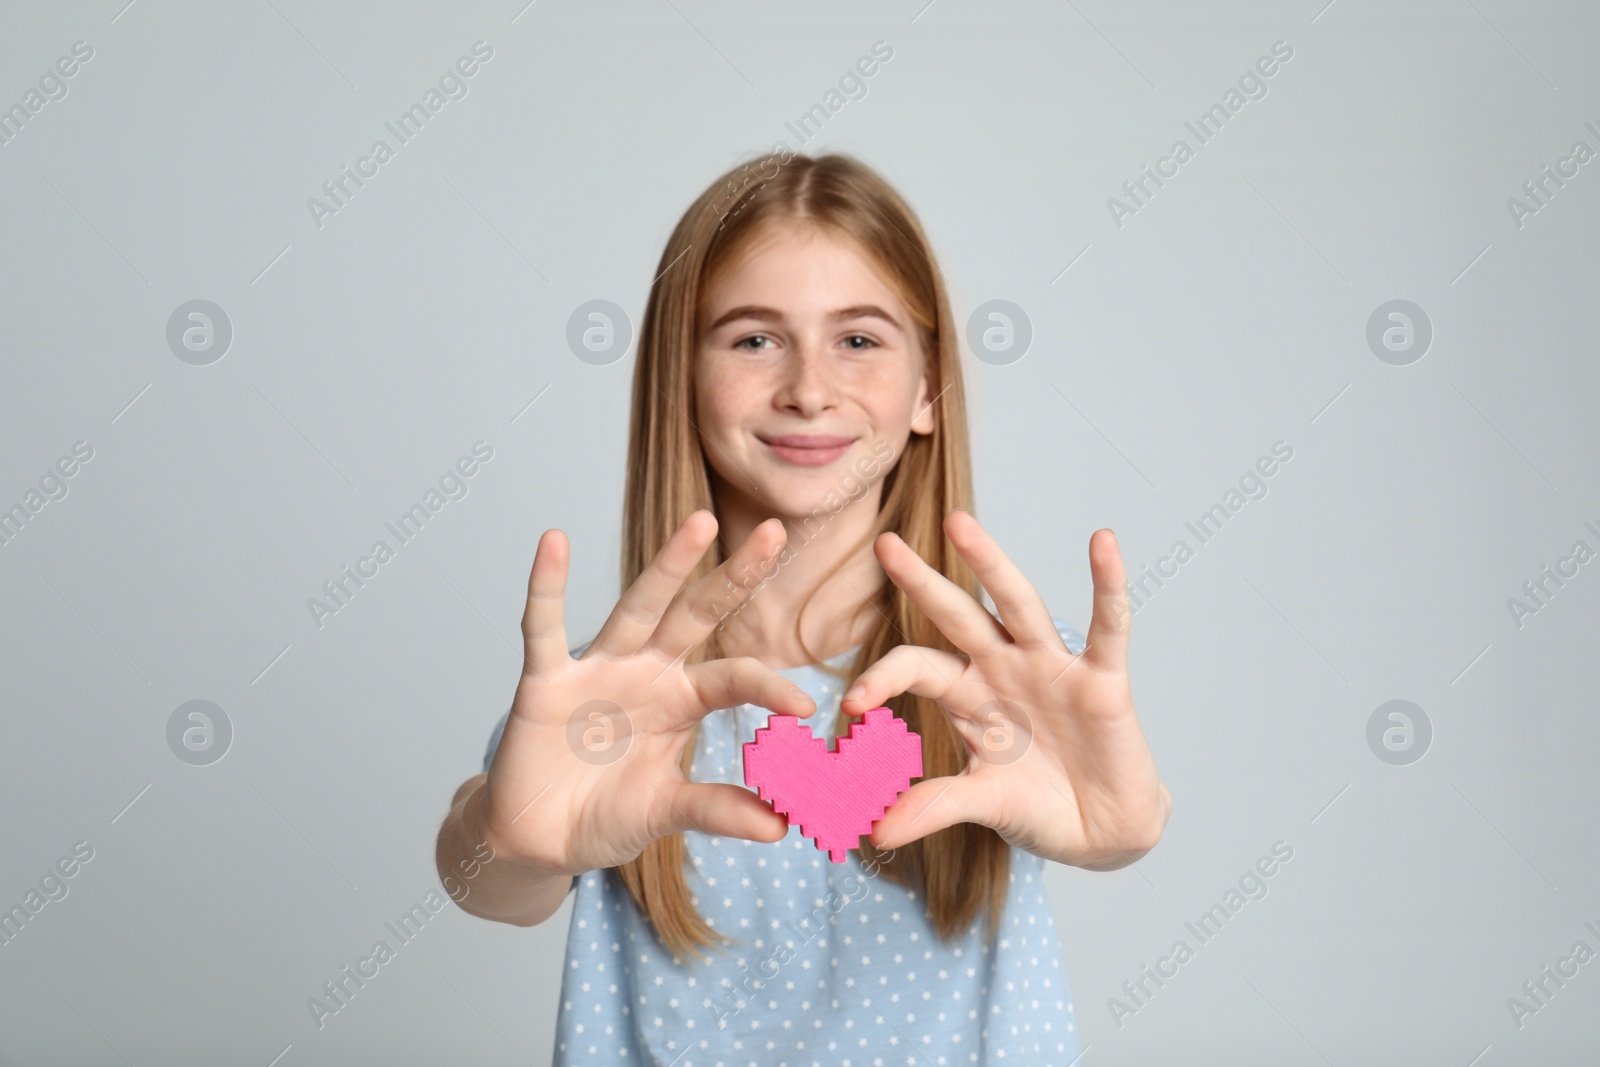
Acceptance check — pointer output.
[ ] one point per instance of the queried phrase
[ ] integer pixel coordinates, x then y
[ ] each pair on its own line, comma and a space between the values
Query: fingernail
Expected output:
798, 693
855, 692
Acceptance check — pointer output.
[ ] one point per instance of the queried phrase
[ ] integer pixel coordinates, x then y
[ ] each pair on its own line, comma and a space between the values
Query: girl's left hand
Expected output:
1057, 762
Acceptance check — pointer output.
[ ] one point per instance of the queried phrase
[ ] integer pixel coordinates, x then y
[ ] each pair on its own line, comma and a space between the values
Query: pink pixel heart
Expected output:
834, 797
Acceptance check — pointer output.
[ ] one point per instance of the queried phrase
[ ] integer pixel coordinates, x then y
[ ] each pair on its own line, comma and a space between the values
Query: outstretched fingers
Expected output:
641, 606
1106, 646
926, 672
727, 683
933, 804
544, 632
1019, 604
696, 611
717, 810
959, 617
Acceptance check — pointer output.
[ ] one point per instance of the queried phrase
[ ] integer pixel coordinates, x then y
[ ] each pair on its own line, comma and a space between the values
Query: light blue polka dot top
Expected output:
830, 965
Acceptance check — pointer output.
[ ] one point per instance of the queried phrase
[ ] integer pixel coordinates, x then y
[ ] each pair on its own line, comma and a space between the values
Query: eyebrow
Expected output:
769, 314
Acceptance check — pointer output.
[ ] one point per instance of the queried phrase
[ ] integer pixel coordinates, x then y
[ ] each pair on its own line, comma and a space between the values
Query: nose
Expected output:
807, 386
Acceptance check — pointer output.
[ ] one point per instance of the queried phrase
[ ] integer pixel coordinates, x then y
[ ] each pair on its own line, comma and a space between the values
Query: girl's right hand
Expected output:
588, 772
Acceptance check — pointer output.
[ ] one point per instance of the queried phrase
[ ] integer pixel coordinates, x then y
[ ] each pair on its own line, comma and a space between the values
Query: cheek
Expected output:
722, 397
887, 391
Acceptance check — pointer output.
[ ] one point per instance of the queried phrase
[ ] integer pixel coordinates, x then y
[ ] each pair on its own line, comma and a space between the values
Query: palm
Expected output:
1058, 763
588, 769
583, 762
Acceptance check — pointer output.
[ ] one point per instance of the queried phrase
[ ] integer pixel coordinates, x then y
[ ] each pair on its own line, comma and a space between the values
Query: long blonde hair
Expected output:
960, 870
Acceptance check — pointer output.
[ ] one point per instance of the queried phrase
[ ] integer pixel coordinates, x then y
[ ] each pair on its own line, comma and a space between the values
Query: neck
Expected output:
761, 619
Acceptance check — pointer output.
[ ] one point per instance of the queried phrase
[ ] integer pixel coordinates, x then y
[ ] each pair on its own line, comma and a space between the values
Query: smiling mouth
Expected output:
808, 450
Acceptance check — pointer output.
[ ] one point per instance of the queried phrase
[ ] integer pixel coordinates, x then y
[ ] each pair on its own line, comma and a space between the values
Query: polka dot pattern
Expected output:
829, 963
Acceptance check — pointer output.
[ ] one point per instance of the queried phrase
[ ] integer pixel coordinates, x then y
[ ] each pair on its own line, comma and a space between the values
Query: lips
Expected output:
808, 450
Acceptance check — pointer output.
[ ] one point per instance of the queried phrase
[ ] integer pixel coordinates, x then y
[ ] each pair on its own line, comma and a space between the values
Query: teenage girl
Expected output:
798, 540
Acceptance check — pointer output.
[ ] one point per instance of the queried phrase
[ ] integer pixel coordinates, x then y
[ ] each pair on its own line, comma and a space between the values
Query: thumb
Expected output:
722, 810
933, 804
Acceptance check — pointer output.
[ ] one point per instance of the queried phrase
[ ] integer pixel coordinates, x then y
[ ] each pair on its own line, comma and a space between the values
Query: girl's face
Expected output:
807, 365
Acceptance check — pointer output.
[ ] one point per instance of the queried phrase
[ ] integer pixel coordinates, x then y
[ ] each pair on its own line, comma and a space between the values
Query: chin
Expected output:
792, 496
820, 493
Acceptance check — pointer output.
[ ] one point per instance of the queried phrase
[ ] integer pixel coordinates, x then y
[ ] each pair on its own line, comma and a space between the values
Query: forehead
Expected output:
800, 269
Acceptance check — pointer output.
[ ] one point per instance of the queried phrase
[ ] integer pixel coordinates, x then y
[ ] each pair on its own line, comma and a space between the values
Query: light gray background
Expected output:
368, 355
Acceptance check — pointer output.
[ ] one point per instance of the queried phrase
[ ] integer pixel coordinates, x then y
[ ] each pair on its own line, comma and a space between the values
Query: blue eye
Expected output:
754, 337
870, 343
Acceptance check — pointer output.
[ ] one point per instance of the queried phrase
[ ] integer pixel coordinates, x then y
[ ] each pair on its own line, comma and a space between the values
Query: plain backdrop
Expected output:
1169, 352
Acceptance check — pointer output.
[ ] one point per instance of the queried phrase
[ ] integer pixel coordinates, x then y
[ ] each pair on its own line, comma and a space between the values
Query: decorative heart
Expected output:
834, 797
